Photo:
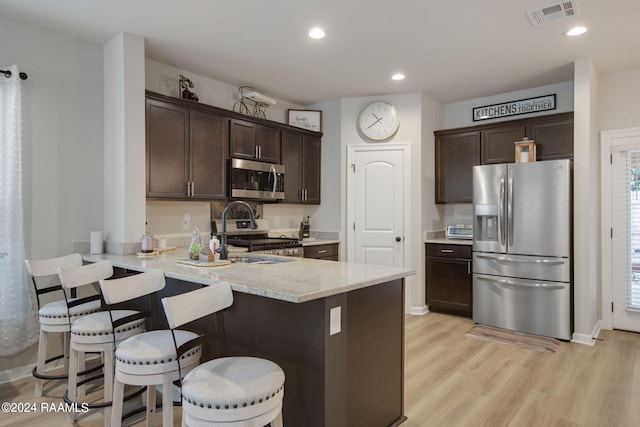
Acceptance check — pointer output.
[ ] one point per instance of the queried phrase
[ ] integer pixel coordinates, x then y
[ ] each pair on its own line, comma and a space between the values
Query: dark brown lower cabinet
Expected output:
448, 278
327, 252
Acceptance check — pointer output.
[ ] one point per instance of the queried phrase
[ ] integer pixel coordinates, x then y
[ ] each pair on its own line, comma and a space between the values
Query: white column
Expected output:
124, 143
586, 199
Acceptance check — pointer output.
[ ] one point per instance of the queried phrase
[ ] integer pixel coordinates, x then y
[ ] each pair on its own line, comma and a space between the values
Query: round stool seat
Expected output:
154, 353
56, 314
232, 388
95, 328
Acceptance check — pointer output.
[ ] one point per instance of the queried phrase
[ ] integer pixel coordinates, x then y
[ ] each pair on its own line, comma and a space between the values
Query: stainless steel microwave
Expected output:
256, 180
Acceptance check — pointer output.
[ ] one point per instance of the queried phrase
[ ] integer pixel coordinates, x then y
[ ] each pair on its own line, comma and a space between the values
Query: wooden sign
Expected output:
515, 108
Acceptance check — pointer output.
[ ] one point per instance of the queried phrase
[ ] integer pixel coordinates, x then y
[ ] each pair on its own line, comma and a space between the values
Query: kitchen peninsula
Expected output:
336, 329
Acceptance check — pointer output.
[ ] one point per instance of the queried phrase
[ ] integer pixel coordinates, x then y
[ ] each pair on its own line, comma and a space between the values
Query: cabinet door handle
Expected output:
255, 152
446, 251
468, 267
193, 188
322, 251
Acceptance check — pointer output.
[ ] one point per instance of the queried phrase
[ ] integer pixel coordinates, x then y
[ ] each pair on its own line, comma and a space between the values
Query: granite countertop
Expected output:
444, 240
299, 280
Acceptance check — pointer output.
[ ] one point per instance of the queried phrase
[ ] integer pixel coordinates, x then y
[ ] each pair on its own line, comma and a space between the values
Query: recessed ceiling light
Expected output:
398, 76
316, 33
576, 31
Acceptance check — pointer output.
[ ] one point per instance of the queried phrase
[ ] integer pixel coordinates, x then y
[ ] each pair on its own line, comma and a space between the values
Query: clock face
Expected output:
379, 120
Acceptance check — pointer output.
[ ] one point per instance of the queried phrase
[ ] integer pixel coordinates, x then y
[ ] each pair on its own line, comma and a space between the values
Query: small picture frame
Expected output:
305, 119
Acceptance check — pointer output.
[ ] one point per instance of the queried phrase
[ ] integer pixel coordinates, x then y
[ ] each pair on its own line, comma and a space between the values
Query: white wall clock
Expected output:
379, 120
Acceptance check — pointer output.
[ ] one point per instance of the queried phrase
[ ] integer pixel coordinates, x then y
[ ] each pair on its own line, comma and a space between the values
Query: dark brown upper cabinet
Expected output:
186, 151
458, 150
301, 160
188, 145
498, 143
456, 155
254, 141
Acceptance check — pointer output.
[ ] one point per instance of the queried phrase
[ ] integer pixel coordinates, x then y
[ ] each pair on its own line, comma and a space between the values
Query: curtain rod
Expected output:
7, 74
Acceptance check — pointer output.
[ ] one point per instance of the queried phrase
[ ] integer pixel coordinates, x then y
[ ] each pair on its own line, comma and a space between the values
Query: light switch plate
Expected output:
335, 319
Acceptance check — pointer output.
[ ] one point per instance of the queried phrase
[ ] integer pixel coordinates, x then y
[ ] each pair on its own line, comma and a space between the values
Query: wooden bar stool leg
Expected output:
278, 421
167, 401
67, 342
81, 364
118, 398
151, 405
108, 383
40, 364
72, 385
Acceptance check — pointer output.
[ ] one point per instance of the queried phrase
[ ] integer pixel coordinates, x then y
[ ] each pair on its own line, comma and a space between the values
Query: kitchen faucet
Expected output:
223, 234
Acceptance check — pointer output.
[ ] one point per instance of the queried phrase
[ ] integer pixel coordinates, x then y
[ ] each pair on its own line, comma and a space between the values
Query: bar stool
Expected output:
150, 359
103, 331
56, 316
228, 391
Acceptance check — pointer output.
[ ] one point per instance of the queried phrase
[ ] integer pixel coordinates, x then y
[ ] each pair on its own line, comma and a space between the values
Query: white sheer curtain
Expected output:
18, 317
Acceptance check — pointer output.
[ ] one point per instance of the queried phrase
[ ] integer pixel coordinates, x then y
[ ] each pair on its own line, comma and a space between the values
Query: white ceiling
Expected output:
449, 50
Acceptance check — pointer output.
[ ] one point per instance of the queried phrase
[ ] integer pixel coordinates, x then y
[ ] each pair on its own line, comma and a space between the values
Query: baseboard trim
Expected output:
588, 339
418, 311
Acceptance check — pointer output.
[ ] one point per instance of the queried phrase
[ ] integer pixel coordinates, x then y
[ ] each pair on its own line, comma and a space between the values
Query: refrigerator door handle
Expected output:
505, 283
501, 215
524, 261
510, 207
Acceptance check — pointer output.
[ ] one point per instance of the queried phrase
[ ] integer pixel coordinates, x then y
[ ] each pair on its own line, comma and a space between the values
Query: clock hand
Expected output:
374, 123
377, 121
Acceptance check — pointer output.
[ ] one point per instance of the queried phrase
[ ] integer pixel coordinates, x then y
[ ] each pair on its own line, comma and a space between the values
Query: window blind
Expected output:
626, 215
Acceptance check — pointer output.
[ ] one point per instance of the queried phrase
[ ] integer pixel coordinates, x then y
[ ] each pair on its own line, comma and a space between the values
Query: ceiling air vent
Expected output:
553, 12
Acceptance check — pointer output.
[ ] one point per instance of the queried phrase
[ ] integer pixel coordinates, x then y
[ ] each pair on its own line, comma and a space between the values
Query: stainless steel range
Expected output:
263, 244
258, 241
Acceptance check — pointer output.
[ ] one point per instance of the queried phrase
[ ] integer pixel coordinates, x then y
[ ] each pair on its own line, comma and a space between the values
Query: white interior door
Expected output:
377, 206
625, 234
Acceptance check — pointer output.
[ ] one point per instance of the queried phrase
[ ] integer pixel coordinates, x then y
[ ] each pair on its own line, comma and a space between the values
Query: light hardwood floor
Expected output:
453, 380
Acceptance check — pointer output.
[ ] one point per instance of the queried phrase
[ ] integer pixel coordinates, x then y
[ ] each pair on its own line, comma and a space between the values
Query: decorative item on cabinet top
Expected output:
247, 95
525, 150
185, 93
305, 119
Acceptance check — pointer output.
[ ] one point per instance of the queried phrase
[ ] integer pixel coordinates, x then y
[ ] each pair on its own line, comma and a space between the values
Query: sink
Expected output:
256, 259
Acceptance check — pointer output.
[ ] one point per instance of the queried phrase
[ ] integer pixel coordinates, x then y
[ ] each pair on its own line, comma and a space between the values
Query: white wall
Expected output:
62, 140
458, 114
410, 131
620, 100
328, 215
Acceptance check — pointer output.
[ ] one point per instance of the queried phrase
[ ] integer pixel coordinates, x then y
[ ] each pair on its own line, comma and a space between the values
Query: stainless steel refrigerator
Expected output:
522, 269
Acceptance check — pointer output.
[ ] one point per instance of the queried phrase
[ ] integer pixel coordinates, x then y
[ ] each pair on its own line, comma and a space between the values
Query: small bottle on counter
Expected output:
146, 243
196, 245
214, 245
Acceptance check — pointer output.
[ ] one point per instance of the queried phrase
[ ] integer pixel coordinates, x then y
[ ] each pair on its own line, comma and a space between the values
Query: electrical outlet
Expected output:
335, 320
186, 221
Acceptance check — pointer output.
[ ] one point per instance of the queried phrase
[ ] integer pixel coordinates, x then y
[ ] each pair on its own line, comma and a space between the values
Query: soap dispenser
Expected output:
195, 246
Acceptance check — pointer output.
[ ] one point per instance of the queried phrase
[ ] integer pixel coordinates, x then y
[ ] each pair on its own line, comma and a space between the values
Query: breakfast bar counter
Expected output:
335, 328
288, 279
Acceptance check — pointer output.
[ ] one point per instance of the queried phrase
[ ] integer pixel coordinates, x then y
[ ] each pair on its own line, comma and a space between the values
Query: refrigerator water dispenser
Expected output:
486, 223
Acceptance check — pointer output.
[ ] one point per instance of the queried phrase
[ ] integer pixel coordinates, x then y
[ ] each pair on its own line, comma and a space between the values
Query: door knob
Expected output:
398, 238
